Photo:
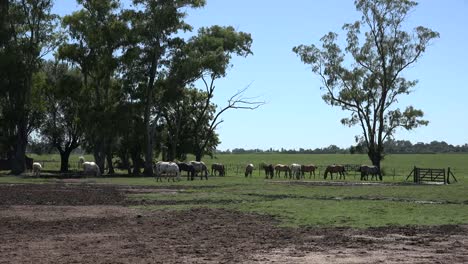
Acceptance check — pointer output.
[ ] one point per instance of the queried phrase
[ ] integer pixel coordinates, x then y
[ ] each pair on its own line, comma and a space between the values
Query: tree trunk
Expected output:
99, 156
110, 165
376, 158
64, 157
136, 164
198, 155
18, 161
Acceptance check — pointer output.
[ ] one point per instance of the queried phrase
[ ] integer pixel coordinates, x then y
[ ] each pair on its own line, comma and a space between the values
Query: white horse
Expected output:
90, 167
167, 169
36, 167
296, 171
199, 166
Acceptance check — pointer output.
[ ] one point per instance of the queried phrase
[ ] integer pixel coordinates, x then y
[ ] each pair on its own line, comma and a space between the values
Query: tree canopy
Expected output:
123, 81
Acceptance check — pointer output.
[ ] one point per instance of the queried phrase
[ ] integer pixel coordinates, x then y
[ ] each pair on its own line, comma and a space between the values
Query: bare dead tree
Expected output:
236, 101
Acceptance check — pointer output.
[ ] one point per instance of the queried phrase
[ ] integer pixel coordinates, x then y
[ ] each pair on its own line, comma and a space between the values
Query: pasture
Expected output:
396, 167
239, 219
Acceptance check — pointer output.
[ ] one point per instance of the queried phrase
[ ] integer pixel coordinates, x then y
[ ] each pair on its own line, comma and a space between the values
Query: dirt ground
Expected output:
87, 223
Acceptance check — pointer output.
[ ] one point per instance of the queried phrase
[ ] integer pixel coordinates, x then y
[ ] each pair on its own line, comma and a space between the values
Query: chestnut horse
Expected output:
280, 167
333, 169
310, 169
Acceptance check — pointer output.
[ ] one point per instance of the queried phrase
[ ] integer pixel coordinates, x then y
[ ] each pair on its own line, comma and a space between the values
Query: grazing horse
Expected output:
295, 171
90, 167
335, 168
36, 167
280, 167
199, 167
367, 170
249, 169
310, 169
167, 169
269, 170
188, 167
218, 167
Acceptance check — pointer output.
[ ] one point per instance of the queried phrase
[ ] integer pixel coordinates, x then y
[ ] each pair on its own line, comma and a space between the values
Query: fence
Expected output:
52, 165
238, 169
431, 175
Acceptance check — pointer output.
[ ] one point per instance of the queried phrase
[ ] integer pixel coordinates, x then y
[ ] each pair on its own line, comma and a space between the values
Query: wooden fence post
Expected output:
415, 175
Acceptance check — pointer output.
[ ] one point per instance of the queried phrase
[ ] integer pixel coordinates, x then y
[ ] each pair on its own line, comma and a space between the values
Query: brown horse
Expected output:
269, 170
218, 167
249, 169
310, 169
333, 169
280, 167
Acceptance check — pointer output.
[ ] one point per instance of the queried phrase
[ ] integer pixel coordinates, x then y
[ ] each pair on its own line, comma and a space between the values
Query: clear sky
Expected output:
295, 115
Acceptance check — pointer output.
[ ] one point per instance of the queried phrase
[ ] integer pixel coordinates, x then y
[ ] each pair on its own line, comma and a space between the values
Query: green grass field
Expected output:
398, 166
361, 206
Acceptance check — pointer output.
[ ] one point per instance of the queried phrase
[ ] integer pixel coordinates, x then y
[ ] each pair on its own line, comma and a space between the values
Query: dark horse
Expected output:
310, 169
249, 169
269, 170
218, 167
333, 169
183, 166
367, 170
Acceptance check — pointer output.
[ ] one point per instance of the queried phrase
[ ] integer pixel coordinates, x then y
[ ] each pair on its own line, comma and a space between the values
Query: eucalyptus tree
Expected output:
63, 126
96, 34
27, 33
153, 39
370, 87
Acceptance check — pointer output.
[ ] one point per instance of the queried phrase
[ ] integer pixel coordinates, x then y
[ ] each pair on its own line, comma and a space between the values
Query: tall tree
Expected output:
27, 33
370, 87
96, 33
64, 97
155, 24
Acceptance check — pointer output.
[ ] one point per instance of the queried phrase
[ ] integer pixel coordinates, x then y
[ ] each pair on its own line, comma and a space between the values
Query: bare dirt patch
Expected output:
92, 224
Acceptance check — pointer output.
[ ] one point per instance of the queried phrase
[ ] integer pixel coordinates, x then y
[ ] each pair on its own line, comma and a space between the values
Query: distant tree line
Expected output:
391, 147
122, 82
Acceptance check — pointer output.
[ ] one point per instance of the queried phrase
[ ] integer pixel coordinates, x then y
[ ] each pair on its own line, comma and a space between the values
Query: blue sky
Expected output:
295, 115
